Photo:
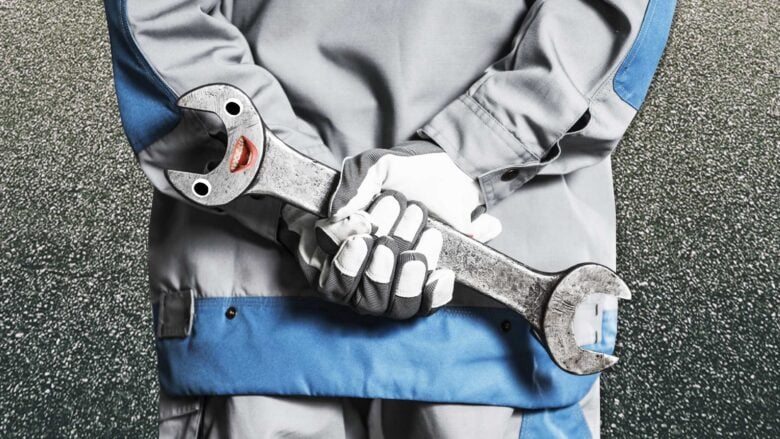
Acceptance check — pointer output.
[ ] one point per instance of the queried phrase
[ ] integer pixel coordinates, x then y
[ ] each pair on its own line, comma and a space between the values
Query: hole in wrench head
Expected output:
243, 156
233, 107
201, 188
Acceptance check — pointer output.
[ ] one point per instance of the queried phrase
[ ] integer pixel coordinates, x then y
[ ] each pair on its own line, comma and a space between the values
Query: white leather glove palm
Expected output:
424, 173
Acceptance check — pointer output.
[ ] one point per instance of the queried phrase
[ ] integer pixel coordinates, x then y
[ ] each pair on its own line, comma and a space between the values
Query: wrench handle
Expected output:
294, 178
307, 184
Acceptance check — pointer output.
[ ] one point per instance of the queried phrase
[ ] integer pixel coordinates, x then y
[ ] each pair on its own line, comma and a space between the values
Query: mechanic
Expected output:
496, 116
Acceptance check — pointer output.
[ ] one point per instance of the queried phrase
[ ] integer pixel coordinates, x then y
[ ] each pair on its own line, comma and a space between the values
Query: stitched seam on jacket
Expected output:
309, 303
140, 57
449, 147
490, 120
490, 191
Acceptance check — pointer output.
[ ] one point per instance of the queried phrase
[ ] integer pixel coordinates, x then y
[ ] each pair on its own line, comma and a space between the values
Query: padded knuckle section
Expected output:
410, 278
386, 211
440, 287
411, 223
351, 256
380, 269
430, 244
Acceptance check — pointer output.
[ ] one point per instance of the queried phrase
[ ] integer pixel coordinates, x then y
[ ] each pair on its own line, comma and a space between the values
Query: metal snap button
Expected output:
506, 326
231, 313
510, 174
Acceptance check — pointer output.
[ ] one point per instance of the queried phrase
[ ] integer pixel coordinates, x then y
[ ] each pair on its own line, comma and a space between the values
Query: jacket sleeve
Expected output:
162, 49
562, 98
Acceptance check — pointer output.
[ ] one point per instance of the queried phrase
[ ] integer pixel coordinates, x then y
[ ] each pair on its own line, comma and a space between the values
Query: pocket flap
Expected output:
174, 407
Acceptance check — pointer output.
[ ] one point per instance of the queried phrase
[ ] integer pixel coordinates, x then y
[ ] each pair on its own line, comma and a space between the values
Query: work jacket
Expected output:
528, 97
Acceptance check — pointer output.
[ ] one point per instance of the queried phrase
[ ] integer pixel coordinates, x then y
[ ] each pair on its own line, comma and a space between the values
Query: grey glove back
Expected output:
381, 261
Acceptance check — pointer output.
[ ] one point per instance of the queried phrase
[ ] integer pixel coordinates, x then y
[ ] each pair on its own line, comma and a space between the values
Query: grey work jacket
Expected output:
528, 97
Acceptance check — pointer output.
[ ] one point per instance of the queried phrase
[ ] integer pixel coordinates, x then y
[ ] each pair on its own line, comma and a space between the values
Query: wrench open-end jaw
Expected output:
258, 162
246, 142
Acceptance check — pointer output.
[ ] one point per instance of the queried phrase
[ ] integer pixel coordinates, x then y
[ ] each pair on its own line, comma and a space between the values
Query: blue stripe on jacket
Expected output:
296, 346
146, 105
633, 78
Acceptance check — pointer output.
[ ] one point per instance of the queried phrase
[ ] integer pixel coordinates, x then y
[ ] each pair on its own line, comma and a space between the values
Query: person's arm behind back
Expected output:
163, 49
562, 98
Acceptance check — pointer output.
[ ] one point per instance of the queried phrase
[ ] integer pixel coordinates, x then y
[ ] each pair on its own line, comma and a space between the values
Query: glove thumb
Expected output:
484, 228
360, 181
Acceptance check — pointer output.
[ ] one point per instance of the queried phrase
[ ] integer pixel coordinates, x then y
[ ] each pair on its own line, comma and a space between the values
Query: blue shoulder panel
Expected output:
635, 74
146, 105
295, 346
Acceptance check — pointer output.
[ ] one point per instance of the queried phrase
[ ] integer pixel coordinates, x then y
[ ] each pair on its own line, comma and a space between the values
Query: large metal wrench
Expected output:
258, 162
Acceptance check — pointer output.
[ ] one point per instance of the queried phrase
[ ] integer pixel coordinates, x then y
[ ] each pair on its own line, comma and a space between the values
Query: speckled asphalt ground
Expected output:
699, 234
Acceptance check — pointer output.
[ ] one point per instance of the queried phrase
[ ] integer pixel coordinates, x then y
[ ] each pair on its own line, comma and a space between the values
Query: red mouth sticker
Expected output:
243, 156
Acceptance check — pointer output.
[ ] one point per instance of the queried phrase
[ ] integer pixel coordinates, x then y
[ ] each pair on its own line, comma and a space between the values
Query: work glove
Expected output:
375, 253
424, 173
380, 260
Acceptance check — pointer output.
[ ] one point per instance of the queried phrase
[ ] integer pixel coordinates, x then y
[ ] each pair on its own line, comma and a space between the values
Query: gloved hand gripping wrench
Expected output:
258, 162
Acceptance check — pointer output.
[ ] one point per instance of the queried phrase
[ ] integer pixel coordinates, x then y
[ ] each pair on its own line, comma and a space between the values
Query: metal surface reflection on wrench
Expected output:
258, 162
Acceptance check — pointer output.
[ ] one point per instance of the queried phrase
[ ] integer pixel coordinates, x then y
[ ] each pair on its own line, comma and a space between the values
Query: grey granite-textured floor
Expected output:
699, 235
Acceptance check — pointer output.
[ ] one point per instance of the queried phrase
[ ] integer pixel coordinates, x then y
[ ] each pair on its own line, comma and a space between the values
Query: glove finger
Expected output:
409, 228
360, 181
373, 294
331, 233
386, 210
341, 274
484, 228
408, 285
429, 244
437, 291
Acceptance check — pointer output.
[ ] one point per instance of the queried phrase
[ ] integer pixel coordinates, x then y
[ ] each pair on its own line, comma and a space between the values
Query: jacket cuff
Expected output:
486, 150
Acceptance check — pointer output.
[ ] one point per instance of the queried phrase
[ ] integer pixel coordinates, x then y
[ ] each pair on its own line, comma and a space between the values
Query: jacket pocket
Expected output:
179, 418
